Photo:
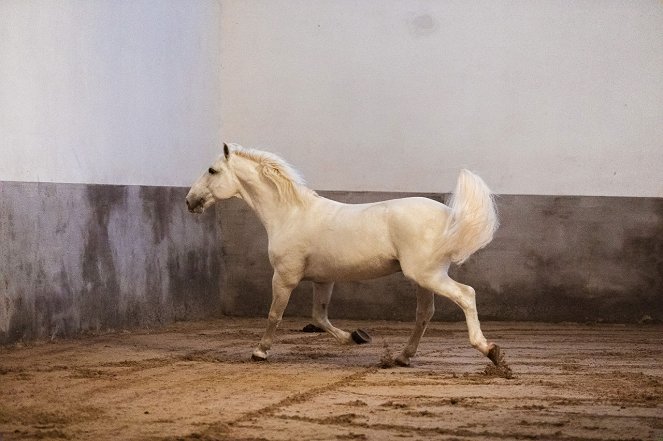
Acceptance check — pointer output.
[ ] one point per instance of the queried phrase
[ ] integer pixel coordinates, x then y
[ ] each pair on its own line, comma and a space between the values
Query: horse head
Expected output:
216, 183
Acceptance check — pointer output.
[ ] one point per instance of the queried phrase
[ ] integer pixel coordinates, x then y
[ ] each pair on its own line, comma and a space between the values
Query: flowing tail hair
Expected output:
473, 217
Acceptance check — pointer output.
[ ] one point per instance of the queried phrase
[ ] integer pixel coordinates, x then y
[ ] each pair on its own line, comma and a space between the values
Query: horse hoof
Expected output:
495, 355
312, 328
258, 357
360, 337
402, 361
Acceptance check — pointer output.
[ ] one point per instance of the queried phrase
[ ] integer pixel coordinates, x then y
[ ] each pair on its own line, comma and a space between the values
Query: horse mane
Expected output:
289, 183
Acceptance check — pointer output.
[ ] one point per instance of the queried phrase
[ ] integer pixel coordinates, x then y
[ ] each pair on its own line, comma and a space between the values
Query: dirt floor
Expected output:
195, 381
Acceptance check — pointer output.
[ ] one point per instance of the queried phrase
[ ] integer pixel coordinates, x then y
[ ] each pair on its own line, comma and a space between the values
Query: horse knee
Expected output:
274, 317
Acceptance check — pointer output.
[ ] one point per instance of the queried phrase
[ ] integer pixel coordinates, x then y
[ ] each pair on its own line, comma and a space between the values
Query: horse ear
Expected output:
226, 150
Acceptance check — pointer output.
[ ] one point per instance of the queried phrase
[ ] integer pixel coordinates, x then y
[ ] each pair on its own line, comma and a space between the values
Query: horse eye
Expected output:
212, 171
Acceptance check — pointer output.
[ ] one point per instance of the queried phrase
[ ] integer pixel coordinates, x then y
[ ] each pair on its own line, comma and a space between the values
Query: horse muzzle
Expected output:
195, 206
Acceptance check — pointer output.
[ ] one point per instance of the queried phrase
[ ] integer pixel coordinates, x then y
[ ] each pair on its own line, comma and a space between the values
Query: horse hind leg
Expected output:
465, 297
425, 310
321, 297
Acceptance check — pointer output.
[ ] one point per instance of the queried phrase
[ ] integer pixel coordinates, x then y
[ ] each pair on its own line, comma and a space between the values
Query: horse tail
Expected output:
473, 217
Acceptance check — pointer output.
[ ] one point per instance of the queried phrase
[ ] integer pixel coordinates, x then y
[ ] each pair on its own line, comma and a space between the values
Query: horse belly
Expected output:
348, 268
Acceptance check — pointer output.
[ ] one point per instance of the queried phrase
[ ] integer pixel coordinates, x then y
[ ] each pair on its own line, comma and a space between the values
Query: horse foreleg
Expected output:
321, 296
425, 310
281, 290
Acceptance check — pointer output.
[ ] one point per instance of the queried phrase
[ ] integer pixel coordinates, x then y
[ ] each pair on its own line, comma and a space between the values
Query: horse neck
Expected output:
265, 201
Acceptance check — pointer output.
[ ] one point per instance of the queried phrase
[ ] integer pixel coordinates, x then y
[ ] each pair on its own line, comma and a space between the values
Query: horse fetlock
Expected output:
321, 322
479, 342
344, 338
481, 346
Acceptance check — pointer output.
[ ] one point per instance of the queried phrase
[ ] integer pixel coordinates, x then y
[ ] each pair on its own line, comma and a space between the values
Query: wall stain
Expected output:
21, 323
423, 25
194, 283
158, 206
101, 288
151, 310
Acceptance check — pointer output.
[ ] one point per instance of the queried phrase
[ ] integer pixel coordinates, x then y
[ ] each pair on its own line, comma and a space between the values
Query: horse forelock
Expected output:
276, 169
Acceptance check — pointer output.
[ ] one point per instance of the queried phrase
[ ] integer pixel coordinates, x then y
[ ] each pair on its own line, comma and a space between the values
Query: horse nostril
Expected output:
191, 205
195, 205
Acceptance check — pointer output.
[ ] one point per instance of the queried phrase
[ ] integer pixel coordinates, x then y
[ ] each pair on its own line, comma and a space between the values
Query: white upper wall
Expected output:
539, 97
109, 91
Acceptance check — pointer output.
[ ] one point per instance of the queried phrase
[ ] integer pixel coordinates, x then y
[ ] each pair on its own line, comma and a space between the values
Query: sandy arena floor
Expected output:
195, 381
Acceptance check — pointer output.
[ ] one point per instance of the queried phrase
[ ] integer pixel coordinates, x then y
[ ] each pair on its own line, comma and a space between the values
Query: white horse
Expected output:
324, 241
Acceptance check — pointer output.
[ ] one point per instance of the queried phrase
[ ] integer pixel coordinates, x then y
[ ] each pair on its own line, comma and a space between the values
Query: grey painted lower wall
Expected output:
78, 258
553, 259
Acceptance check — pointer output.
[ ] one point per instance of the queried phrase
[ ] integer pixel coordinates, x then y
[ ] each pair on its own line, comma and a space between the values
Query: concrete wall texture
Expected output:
545, 100
95, 257
78, 258
554, 258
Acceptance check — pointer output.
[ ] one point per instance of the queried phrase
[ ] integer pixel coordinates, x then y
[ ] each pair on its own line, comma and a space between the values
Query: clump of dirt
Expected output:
531, 407
356, 403
455, 401
352, 435
214, 432
499, 368
501, 371
87, 373
420, 413
387, 360
346, 418
394, 405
